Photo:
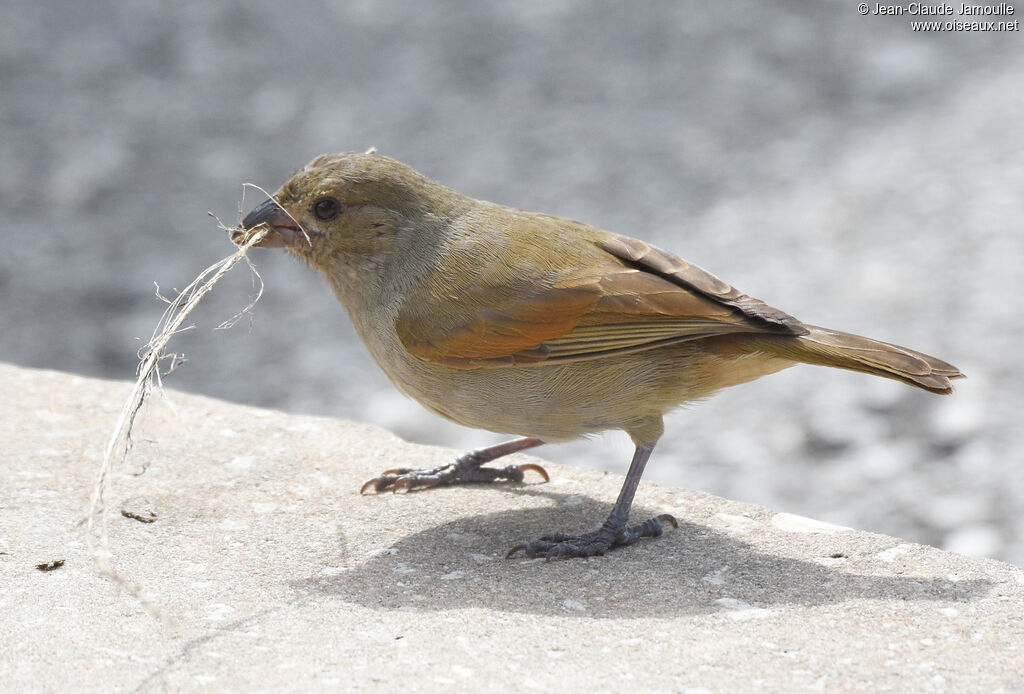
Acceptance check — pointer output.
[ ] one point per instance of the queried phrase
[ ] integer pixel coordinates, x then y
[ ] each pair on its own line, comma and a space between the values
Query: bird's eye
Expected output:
326, 209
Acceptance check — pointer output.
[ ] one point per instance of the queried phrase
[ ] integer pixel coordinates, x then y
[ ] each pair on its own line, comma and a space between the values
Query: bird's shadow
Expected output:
689, 571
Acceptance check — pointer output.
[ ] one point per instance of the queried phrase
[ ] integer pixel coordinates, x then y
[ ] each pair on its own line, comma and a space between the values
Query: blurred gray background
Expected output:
844, 168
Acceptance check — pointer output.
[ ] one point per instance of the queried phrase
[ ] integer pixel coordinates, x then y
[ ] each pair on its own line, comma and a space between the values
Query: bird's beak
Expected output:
284, 232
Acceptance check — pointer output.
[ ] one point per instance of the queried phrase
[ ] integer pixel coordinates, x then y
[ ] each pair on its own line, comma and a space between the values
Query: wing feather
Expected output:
629, 297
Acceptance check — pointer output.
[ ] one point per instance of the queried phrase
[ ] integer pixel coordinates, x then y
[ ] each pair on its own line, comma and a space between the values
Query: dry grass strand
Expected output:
148, 376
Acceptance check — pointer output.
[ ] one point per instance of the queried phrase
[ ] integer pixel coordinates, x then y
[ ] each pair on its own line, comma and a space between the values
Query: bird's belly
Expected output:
561, 402
554, 403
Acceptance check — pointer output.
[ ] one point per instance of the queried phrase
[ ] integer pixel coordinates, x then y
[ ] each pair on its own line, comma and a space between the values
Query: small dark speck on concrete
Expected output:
50, 565
140, 509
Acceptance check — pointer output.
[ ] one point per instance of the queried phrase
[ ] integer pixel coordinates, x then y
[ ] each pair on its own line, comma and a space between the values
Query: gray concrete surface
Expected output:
847, 169
274, 574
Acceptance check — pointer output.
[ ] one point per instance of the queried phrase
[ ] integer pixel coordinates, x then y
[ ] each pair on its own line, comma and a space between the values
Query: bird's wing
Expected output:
635, 297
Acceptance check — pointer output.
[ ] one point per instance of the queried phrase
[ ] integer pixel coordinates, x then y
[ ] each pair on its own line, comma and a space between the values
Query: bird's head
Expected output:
351, 211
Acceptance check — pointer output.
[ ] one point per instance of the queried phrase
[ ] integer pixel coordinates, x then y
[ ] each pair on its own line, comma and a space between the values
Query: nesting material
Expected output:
151, 358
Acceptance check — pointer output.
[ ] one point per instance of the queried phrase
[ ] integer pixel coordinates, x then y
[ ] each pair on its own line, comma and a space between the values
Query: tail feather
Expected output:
845, 351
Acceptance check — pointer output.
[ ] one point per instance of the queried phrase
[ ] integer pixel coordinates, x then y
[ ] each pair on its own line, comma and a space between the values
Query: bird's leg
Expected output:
615, 530
465, 468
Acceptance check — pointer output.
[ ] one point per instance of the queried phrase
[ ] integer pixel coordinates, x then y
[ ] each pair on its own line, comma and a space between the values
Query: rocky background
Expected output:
844, 168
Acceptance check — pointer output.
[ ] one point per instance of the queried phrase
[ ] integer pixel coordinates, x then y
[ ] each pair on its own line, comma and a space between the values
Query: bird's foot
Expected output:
561, 545
464, 469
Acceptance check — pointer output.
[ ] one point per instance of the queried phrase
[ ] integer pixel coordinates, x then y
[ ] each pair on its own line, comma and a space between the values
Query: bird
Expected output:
538, 326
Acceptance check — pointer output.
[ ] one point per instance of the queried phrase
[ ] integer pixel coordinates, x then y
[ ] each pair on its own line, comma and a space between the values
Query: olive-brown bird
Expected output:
525, 323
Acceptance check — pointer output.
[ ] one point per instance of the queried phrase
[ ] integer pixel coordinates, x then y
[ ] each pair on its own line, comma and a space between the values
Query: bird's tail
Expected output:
845, 351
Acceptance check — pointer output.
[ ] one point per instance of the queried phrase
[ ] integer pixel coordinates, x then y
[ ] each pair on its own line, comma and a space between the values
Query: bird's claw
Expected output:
412, 479
564, 546
535, 468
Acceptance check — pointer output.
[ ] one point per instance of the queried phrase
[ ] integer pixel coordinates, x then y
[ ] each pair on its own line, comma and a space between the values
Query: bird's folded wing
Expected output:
636, 298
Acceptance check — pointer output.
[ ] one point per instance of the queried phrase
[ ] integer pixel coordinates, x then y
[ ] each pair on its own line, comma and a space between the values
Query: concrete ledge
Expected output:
279, 576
